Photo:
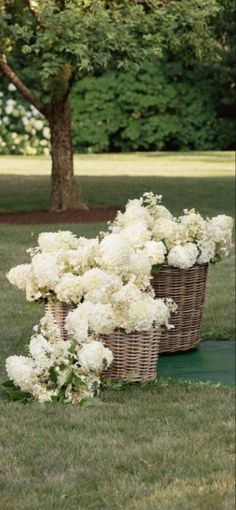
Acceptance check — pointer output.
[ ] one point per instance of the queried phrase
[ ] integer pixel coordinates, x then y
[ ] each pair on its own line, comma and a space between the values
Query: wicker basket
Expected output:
135, 354
187, 287
58, 313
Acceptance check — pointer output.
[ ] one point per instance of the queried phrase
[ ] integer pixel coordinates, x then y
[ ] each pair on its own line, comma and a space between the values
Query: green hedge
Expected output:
164, 107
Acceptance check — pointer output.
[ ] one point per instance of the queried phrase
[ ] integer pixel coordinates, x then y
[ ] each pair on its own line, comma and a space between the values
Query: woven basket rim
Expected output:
166, 265
134, 332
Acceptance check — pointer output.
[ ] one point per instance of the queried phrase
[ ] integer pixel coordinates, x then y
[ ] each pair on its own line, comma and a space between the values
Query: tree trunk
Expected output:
63, 185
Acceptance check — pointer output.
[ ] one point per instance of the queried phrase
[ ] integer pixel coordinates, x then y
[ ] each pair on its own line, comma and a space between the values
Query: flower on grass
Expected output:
20, 370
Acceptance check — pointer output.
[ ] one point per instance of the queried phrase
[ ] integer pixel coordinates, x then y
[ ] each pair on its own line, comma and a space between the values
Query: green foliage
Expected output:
8, 391
155, 95
64, 40
164, 106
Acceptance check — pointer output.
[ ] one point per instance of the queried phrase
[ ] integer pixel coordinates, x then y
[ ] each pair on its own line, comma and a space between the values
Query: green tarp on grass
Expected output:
211, 361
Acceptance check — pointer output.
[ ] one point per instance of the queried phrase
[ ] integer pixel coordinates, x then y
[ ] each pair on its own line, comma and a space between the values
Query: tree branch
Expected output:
34, 13
21, 87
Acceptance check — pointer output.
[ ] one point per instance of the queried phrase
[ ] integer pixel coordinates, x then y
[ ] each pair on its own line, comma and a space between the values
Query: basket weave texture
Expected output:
58, 313
135, 354
187, 287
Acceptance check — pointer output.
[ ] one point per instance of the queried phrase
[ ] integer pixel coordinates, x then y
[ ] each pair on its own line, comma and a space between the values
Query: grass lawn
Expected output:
165, 447
168, 447
201, 180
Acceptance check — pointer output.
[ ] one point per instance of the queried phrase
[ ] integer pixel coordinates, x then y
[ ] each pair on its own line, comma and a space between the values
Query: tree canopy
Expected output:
63, 40
48, 45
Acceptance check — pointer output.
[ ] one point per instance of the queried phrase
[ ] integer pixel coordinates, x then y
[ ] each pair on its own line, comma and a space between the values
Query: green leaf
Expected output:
9, 391
8, 384
156, 268
86, 402
61, 393
113, 385
53, 374
79, 383
69, 378
104, 363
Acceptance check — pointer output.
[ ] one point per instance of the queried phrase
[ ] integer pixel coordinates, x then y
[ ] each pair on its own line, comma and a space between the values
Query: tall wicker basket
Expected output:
187, 287
135, 354
58, 312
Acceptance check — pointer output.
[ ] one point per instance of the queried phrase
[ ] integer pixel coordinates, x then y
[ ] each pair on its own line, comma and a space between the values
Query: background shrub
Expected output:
166, 106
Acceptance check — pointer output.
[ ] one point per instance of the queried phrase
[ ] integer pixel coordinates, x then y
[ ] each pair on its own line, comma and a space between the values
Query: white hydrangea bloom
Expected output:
48, 327
194, 224
32, 289
11, 87
115, 253
20, 370
98, 285
19, 275
163, 309
134, 212
84, 257
46, 270
140, 315
183, 256
77, 323
69, 289
166, 230
101, 318
139, 269
207, 249
136, 234
60, 352
153, 204
126, 295
155, 251
94, 356
161, 211
138, 311
98, 318
40, 350
51, 242
42, 394
220, 228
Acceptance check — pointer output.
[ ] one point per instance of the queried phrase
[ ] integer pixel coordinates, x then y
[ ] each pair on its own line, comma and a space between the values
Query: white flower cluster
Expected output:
109, 281
181, 242
23, 129
71, 269
56, 266
59, 370
129, 308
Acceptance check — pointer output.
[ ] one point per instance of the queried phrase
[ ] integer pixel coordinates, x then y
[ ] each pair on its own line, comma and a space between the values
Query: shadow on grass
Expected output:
210, 195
